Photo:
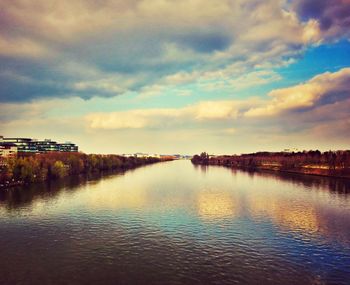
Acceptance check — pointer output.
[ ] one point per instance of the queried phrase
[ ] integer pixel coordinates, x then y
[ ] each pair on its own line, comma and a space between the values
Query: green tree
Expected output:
58, 169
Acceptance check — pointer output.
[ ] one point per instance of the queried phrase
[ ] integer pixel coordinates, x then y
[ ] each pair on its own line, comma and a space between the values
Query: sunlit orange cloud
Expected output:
309, 94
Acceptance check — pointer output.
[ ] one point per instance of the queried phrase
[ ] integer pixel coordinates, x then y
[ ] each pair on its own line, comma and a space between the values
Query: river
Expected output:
176, 223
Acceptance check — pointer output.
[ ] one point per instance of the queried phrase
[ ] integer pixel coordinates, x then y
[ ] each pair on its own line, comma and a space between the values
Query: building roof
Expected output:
22, 139
7, 145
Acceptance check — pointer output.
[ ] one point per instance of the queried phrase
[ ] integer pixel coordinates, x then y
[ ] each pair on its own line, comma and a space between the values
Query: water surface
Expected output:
174, 223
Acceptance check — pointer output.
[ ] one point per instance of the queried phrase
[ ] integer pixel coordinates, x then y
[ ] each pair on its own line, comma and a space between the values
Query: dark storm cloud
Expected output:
206, 43
25, 79
338, 94
333, 15
104, 48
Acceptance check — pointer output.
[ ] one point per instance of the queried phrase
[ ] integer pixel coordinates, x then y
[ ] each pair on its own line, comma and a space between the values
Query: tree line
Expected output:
332, 161
41, 167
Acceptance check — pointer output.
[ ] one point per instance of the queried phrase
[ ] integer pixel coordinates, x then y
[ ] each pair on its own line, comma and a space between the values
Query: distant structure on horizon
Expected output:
145, 155
14, 146
291, 150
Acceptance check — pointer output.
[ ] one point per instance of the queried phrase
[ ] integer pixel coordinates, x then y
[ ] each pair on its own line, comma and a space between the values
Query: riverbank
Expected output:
330, 163
16, 171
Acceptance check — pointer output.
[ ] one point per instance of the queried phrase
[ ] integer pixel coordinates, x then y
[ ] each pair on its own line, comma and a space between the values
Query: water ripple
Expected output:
216, 227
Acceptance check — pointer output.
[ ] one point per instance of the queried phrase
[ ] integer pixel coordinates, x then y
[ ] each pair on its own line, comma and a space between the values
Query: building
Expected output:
68, 147
8, 150
47, 145
145, 155
128, 155
291, 150
32, 146
155, 155
141, 155
23, 144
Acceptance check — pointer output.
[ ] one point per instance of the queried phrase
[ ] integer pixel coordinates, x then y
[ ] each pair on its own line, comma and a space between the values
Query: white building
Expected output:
8, 150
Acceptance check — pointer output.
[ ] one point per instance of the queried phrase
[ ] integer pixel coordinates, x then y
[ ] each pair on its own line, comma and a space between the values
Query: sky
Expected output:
184, 76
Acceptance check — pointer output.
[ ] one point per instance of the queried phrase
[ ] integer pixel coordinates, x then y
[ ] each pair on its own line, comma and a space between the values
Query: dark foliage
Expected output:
40, 167
313, 162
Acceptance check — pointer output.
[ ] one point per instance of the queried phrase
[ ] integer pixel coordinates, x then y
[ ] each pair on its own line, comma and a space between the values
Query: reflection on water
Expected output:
175, 223
218, 205
18, 197
329, 184
303, 217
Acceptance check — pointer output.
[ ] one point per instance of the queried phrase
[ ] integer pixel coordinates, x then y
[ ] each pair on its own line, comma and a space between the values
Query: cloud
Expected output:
323, 89
199, 113
206, 42
151, 91
318, 108
134, 119
320, 120
333, 16
215, 110
78, 56
38, 110
254, 78
120, 46
22, 47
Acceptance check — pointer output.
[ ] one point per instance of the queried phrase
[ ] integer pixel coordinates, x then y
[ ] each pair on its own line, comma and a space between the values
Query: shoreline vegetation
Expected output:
23, 170
329, 163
